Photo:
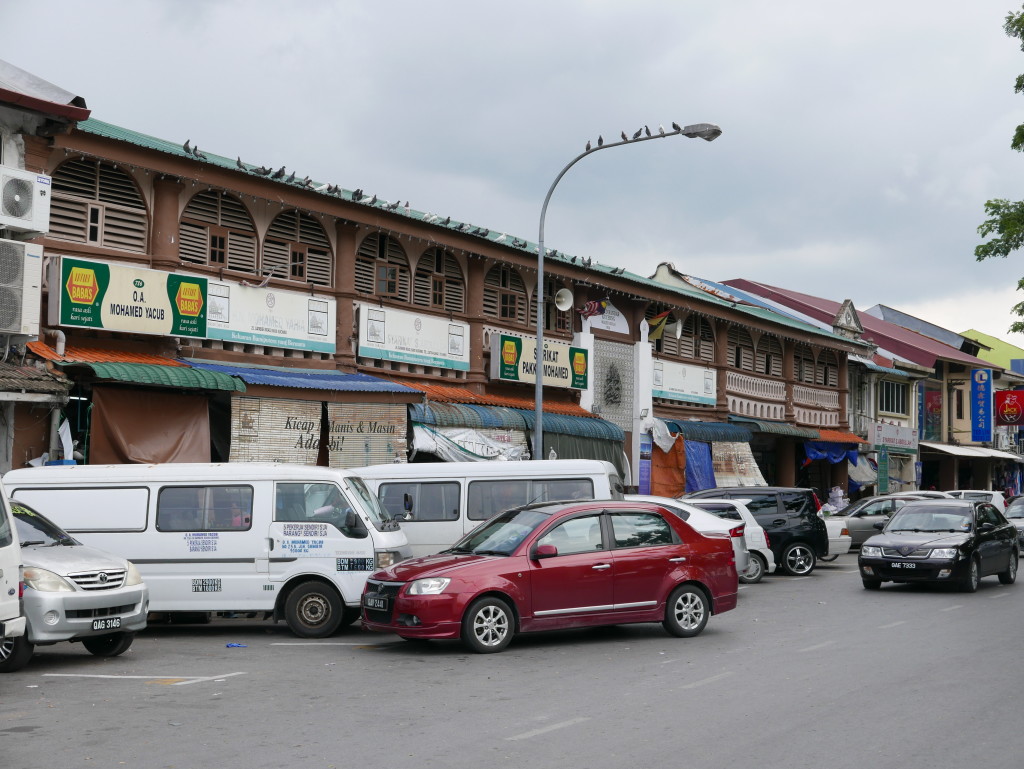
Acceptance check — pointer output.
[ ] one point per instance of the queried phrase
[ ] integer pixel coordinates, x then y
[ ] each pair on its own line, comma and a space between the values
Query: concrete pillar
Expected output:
476, 271
347, 237
785, 461
166, 206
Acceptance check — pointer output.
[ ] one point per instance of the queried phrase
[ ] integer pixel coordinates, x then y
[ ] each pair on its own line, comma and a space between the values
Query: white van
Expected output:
294, 542
12, 623
448, 499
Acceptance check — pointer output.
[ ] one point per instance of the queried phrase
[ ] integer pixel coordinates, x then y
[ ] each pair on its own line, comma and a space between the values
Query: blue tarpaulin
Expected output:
700, 473
833, 452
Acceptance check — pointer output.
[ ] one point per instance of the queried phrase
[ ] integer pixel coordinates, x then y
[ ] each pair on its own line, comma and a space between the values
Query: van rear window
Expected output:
489, 497
204, 508
430, 501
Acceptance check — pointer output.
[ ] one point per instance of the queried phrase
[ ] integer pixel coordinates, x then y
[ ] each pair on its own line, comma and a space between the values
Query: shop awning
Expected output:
466, 415
957, 451
870, 365
776, 428
583, 427
164, 376
303, 378
709, 432
840, 436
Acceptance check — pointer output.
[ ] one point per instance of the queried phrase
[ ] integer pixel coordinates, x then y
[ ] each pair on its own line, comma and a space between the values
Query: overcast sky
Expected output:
860, 140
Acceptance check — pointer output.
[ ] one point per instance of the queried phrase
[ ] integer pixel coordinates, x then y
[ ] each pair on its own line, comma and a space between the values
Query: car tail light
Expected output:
845, 532
21, 589
767, 542
737, 531
817, 502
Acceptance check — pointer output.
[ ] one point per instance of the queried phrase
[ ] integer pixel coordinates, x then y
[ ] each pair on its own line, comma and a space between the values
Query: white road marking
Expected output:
703, 681
794, 579
170, 680
892, 624
323, 643
954, 606
546, 729
852, 571
817, 646
1002, 594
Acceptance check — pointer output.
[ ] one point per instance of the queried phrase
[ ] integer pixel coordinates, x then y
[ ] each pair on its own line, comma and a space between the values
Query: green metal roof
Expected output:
165, 376
100, 128
777, 428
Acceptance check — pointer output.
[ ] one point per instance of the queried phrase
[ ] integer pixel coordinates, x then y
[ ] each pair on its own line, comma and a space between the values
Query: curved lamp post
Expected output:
707, 132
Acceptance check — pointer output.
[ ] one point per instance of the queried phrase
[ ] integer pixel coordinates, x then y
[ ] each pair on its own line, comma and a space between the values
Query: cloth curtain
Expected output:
700, 470
148, 427
668, 469
833, 452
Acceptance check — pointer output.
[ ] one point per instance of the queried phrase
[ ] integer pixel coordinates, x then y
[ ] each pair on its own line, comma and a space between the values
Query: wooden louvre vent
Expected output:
216, 229
297, 248
382, 268
96, 202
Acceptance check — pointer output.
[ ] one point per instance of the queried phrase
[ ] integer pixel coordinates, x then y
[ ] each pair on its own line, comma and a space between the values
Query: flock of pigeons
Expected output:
358, 196
676, 128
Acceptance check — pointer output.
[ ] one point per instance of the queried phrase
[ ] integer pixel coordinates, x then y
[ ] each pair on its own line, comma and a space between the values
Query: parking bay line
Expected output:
167, 680
546, 729
892, 624
954, 606
709, 680
817, 646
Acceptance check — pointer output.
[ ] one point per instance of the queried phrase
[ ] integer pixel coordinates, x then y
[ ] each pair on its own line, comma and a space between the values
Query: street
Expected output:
806, 672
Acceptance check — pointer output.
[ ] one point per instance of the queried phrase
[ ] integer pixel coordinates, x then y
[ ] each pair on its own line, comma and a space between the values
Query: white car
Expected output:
839, 539
762, 559
703, 521
992, 497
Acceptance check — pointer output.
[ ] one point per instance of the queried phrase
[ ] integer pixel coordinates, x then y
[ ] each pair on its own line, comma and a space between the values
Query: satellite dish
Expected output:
563, 299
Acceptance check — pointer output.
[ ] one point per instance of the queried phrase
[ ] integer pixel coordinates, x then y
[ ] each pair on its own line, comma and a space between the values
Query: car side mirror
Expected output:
544, 551
986, 527
879, 525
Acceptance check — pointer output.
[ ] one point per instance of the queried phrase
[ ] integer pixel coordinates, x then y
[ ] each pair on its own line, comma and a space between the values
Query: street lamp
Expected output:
706, 131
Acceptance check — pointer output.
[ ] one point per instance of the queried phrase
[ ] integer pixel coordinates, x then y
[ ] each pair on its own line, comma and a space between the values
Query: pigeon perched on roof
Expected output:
291, 178
240, 164
188, 149
373, 200
447, 221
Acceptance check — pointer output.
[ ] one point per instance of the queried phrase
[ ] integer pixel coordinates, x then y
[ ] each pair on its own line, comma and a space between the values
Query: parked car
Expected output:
704, 521
72, 593
1015, 515
762, 559
838, 538
797, 534
861, 516
952, 541
926, 493
992, 497
554, 566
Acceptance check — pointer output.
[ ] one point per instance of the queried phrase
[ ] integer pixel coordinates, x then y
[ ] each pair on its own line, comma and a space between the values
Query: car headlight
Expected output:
945, 552
870, 551
428, 586
45, 581
385, 558
132, 576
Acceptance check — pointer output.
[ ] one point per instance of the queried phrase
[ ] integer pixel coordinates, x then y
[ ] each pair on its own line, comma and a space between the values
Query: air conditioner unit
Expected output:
21, 279
24, 200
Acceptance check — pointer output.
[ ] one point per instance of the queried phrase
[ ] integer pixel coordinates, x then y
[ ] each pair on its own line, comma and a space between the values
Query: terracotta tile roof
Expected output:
96, 355
14, 378
840, 436
447, 394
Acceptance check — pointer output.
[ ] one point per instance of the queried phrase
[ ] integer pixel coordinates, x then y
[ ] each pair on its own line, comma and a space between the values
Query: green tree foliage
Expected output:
1006, 217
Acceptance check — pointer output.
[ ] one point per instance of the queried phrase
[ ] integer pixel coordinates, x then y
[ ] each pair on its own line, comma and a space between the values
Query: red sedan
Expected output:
557, 566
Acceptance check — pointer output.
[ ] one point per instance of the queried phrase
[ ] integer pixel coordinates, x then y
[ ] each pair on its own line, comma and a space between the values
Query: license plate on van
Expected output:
111, 623
375, 602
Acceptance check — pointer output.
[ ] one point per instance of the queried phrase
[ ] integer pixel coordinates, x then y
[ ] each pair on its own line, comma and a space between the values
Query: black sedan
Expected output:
952, 541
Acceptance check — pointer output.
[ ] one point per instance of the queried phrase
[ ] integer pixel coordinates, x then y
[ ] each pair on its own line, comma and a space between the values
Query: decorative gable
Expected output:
847, 322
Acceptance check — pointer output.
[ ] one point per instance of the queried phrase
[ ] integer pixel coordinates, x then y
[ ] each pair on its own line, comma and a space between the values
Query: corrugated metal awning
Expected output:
466, 415
709, 432
840, 436
584, 427
777, 428
970, 452
303, 378
164, 376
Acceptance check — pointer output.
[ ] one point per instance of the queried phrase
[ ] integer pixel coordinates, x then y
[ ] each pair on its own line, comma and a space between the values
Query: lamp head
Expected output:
706, 131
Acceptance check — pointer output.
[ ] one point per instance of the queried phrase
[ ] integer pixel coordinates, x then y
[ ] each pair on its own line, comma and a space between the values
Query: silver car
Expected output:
72, 593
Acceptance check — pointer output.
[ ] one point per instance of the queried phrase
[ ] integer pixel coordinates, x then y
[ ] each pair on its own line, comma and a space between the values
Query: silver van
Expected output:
12, 623
72, 593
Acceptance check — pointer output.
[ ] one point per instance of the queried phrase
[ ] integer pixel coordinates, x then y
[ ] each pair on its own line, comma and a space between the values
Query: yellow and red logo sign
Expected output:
189, 299
1009, 407
508, 352
82, 286
579, 363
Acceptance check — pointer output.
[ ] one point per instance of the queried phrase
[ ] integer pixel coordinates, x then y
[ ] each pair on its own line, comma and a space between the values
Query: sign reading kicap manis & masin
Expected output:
92, 294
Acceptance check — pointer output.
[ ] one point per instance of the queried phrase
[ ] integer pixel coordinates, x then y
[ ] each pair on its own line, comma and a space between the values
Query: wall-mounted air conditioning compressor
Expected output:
21, 279
24, 200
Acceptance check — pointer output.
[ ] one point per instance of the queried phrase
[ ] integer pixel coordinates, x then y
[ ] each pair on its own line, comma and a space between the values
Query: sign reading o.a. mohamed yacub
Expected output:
118, 298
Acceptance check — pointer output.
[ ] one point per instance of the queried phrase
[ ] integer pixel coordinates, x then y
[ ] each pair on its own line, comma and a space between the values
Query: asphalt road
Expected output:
806, 672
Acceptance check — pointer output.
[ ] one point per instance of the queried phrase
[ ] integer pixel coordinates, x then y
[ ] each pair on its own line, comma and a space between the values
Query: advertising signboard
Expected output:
683, 382
270, 317
101, 295
412, 337
981, 405
1009, 407
514, 359
895, 438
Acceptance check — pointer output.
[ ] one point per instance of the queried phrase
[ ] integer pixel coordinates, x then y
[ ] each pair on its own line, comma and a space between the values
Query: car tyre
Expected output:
1009, 576
313, 610
798, 559
872, 584
686, 611
757, 569
15, 654
971, 578
110, 645
488, 626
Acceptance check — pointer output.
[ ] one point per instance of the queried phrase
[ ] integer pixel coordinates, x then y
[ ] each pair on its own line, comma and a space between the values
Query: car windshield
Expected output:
35, 529
369, 503
930, 519
502, 534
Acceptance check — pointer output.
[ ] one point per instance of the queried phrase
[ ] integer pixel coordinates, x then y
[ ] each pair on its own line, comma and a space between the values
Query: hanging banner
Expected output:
514, 359
684, 382
1009, 407
113, 297
289, 319
412, 337
610, 320
981, 405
